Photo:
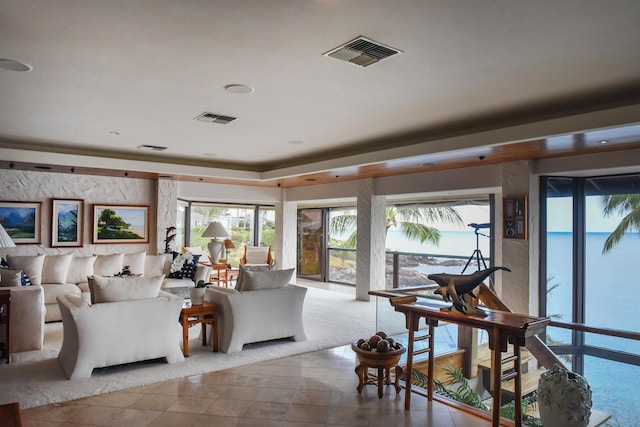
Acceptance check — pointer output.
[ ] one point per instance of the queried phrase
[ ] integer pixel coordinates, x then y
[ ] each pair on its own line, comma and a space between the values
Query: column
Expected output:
167, 211
370, 252
286, 233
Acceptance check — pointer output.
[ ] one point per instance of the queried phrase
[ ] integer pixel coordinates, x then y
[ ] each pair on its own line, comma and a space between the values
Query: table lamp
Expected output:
215, 230
228, 244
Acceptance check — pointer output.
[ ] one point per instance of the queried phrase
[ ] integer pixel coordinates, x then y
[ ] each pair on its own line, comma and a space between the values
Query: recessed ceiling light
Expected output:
12, 65
604, 141
238, 89
113, 132
295, 142
210, 154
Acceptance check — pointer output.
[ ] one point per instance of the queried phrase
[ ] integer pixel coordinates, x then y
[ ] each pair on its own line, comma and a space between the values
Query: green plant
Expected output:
201, 284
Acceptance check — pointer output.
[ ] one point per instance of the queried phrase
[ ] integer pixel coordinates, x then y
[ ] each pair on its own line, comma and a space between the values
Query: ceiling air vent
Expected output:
152, 147
214, 118
362, 52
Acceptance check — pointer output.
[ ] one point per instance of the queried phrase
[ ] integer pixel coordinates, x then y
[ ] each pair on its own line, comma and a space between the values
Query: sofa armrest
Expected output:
27, 318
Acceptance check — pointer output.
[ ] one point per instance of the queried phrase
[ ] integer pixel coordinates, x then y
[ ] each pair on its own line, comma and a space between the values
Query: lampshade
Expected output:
215, 229
228, 244
5, 240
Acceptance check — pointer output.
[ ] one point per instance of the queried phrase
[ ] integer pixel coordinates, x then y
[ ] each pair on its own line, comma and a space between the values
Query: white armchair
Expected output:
113, 333
258, 314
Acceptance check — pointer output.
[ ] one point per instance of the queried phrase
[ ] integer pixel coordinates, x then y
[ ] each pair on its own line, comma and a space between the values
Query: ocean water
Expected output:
612, 301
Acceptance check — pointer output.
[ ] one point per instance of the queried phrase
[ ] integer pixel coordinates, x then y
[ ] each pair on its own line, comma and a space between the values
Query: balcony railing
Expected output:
402, 269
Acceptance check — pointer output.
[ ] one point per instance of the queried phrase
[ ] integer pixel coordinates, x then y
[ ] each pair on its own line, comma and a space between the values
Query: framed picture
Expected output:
120, 224
21, 220
67, 223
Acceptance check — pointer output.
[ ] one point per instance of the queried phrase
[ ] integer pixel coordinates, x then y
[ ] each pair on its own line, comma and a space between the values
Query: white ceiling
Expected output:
145, 69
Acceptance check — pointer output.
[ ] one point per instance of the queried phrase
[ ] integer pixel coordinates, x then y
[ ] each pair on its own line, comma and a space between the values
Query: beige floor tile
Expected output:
312, 397
292, 383
217, 421
348, 416
308, 413
135, 418
116, 399
229, 408
96, 415
267, 411
155, 402
276, 395
192, 405
175, 419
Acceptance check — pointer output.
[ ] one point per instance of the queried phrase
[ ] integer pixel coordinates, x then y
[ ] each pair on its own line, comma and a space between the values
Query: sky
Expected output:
595, 222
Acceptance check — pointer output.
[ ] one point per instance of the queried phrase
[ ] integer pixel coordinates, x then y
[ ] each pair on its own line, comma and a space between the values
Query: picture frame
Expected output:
514, 211
120, 224
67, 223
22, 221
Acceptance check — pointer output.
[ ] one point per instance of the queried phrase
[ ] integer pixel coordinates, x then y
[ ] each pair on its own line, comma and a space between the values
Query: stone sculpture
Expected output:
454, 288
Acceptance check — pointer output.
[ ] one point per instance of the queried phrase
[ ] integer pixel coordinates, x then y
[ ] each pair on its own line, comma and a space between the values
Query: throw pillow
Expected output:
184, 266
262, 280
154, 265
135, 262
114, 289
80, 268
56, 268
108, 265
9, 277
31, 266
243, 268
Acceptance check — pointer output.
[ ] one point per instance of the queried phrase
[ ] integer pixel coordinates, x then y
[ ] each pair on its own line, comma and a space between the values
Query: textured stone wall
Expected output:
33, 186
167, 216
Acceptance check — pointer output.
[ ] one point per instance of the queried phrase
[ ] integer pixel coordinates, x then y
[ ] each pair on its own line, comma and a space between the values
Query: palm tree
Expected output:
411, 220
624, 204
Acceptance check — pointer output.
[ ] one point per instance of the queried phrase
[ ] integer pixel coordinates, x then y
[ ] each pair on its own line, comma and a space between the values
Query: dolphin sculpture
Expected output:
454, 287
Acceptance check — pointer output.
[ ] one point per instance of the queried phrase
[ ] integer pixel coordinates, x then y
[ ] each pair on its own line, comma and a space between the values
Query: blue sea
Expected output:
612, 301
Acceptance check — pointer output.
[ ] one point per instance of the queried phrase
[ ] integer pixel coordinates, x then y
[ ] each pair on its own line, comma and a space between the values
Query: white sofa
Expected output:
112, 333
263, 309
67, 274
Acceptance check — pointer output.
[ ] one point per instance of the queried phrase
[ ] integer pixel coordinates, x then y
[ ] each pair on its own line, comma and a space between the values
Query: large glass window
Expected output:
238, 220
590, 246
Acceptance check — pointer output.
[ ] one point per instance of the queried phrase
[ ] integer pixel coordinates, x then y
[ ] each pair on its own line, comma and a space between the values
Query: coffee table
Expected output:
205, 313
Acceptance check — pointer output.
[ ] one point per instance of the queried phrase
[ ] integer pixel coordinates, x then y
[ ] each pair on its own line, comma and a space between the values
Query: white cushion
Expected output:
108, 265
80, 268
31, 265
154, 265
114, 289
9, 277
244, 267
56, 268
261, 280
257, 254
135, 262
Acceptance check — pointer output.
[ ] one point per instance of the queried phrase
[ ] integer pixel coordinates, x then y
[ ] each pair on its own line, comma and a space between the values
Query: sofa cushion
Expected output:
108, 265
31, 265
261, 280
9, 277
135, 262
184, 266
52, 291
114, 289
24, 279
80, 268
243, 268
56, 268
154, 265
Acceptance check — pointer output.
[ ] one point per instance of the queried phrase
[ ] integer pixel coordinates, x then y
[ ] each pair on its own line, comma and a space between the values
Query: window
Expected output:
589, 277
238, 220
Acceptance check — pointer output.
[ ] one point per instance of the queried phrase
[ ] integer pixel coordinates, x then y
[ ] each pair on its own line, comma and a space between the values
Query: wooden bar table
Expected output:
502, 327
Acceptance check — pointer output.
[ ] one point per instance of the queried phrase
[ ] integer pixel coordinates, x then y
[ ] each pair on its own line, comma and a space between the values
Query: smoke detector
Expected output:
362, 52
214, 118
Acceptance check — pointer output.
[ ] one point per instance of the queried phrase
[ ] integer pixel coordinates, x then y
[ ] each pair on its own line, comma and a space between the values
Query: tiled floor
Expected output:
313, 389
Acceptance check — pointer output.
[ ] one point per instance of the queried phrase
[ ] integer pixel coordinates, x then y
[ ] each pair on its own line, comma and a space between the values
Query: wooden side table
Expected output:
383, 362
204, 314
5, 304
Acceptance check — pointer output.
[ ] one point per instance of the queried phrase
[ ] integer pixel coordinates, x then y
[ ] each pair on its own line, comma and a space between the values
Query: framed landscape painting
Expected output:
21, 220
120, 224
67, 223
